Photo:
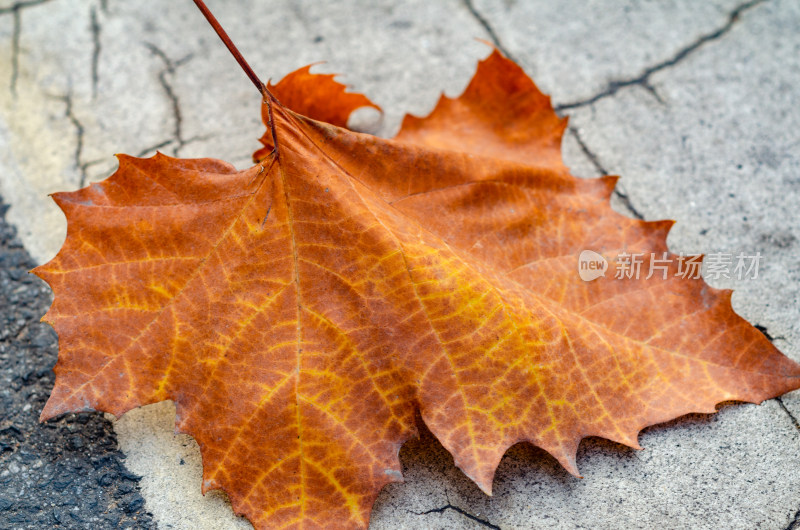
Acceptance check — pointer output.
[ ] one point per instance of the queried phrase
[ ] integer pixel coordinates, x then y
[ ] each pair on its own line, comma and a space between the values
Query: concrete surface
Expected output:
693, 103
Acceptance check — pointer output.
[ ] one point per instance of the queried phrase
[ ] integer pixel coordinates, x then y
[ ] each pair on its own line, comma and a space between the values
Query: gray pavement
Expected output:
693, 103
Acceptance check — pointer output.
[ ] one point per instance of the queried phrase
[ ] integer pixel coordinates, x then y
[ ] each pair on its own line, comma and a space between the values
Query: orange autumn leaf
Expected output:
300, 312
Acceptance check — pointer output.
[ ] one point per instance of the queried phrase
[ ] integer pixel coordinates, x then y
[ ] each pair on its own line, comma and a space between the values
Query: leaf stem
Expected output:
233, 49
269, 99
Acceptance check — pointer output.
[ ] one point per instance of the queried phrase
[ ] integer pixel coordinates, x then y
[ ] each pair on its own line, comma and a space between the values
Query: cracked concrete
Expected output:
459, 511
693, 103
643, 79
164, 76
16, 12
96, 47
578, 50
788, 412
619, 199
79, 131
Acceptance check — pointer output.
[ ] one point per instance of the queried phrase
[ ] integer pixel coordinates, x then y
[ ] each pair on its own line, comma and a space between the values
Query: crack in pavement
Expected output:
79, 133
165, 143
15, 52
589, 154
155, 147
794, 524
626, 201
779, 399
788, 412
21, 5
643, 79
170, 68
16, 11
461, 511
488, 27
96, 29
623, 197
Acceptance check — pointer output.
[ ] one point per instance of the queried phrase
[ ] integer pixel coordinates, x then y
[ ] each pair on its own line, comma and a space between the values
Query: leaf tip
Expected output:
492, 45
484, 485
571, 465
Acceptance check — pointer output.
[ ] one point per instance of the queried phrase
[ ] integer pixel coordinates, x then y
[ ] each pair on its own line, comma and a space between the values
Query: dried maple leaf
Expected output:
300, 312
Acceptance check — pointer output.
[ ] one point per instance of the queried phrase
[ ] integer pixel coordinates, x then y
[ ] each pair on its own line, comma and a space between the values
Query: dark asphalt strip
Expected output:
66, 473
